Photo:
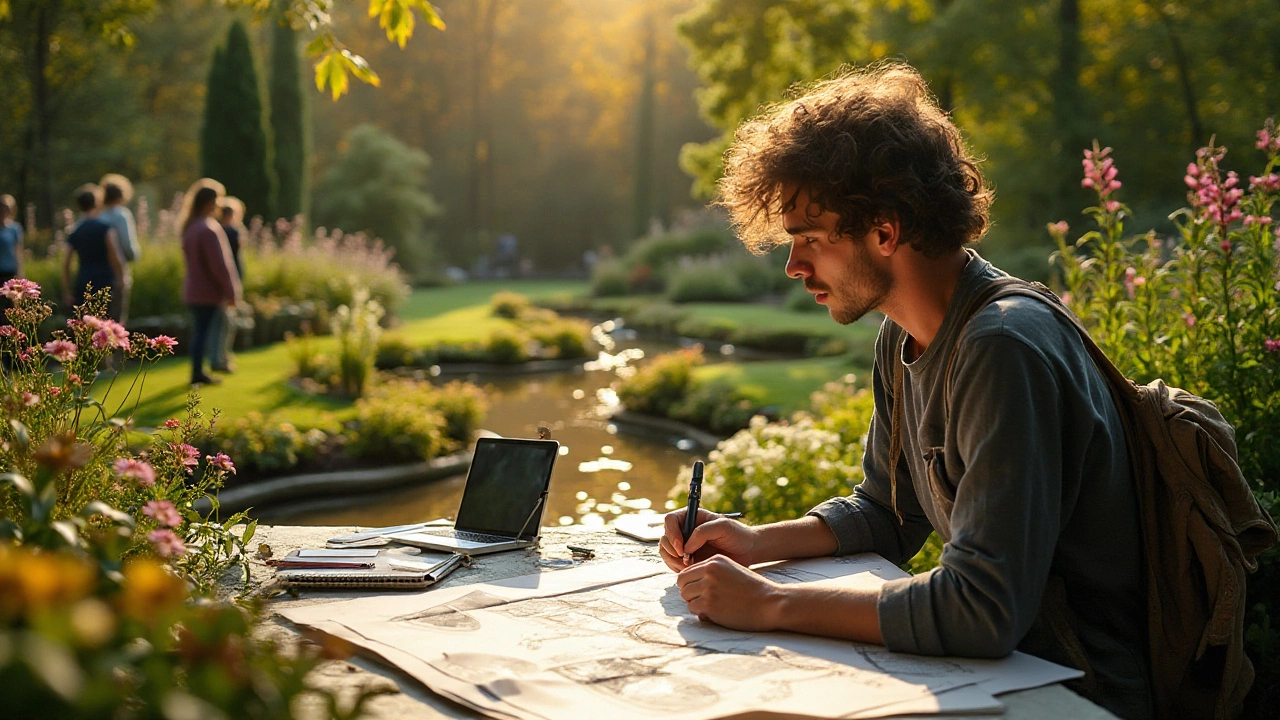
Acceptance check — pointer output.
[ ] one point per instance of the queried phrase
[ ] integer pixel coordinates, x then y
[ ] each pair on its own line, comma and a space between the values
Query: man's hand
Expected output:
728, 594
714, 535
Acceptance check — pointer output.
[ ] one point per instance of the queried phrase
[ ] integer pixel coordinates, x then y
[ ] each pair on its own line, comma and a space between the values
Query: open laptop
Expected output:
502, 502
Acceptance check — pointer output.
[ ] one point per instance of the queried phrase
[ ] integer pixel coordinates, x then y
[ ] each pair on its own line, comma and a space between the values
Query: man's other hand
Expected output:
726, 593
714, 535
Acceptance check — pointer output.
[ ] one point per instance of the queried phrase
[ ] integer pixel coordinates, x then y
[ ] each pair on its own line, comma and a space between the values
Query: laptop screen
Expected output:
506, 477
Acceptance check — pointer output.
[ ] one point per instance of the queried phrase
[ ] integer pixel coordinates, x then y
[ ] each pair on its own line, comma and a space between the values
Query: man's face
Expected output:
839, 270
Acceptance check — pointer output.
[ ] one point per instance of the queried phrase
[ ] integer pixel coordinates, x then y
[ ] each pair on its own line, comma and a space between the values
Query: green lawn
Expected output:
785, 383
456, 314
461, 314
768, 317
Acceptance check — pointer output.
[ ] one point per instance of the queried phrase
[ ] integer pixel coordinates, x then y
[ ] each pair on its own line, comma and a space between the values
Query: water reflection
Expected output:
600, 474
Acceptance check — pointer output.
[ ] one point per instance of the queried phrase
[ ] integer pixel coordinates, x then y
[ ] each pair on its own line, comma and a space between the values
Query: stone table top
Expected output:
404, 698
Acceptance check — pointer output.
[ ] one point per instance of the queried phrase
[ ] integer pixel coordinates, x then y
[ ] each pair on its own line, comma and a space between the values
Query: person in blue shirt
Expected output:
10, 241
117, 191
10, 248
95, 246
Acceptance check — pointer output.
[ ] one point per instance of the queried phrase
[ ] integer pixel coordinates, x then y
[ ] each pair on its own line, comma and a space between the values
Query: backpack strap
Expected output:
895, 431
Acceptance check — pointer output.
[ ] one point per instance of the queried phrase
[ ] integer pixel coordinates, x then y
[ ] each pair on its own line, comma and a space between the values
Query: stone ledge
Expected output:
704, 439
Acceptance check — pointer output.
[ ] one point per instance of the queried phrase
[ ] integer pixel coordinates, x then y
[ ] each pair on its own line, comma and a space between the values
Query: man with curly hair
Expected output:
1010, 445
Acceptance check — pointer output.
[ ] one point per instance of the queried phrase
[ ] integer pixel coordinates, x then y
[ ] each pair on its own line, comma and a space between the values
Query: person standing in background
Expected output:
222, 337
10, 248
101, 264
211, 284
117, 192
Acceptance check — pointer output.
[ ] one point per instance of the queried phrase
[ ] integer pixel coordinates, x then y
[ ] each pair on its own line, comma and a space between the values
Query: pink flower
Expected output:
166, 543
222, 462
1225, 246
1256, 220
19, 289
1268, 140
1060, 228
55, 391
163, 512
1100, 172
30, 399
164, 343
172, 424
111, 334
1112, 206
1269, 183
1271, 345
141, 472
1189, 319
74, 379
10, 331
61, 350
188, 456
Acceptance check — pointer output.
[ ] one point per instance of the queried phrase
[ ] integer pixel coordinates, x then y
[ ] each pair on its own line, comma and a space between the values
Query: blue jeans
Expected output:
204, 319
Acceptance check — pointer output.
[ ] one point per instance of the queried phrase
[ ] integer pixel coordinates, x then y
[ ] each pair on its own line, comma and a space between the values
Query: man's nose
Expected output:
796, 267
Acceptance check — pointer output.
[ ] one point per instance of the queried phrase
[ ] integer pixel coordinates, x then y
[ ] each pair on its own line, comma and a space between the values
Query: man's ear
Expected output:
887, 235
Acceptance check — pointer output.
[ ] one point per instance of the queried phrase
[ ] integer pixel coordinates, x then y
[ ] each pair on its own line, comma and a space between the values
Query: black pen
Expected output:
695, 494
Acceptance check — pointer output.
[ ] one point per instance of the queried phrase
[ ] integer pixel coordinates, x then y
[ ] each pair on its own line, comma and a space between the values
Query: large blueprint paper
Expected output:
616, 640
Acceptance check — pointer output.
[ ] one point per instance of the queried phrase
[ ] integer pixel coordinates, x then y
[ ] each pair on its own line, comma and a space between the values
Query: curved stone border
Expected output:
342, 482
704, 439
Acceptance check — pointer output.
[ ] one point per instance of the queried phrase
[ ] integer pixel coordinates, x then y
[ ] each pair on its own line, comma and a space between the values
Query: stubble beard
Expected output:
862, 288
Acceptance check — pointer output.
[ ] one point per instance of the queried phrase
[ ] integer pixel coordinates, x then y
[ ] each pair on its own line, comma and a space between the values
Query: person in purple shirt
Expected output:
211, 284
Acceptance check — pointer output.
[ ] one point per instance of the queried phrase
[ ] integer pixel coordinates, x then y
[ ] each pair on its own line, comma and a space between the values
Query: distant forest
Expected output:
579, 124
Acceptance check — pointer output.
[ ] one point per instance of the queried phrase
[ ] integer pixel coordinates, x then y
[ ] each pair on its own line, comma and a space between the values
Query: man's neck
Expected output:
922, 293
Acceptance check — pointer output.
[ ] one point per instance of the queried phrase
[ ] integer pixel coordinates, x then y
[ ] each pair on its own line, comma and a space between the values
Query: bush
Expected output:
660, 384
509, 305
661, 317
717, 406
395, 351
663, 250
704, 280
266, 443
563, 338
507, 346
390, 429
357, 330
610, 279
462, 405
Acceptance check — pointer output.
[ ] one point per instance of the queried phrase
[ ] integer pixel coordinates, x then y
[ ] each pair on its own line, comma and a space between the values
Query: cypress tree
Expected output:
288, 123
234, 142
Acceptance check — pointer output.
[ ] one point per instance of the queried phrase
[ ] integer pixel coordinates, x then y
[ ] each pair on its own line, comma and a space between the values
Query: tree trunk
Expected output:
642, 210
1067, 106
46, 20
1183, 65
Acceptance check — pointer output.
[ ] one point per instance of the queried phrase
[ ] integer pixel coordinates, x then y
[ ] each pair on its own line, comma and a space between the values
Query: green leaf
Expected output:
24, 486
20, 434
431, 15
97, 507
249, 531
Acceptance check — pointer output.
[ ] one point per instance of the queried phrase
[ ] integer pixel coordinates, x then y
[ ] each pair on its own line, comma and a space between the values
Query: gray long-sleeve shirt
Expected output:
1023, 471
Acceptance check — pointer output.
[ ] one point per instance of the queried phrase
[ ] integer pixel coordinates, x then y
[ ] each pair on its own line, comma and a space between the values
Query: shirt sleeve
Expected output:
865, 521
1006, 418
130, 239
217, 257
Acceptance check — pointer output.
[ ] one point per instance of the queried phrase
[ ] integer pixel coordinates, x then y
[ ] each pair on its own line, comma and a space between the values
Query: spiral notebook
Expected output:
396, 569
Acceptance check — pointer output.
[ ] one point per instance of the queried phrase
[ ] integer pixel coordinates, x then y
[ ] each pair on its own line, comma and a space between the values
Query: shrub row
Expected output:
701, 266
665, 386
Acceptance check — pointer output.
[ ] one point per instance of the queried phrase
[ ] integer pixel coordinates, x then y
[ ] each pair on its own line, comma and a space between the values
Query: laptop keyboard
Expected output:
470, 536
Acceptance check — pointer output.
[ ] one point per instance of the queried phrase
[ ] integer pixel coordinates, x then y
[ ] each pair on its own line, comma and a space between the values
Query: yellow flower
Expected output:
149, 590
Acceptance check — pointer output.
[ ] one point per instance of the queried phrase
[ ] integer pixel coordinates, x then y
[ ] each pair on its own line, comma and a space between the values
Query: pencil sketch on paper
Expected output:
619, 639
641, 681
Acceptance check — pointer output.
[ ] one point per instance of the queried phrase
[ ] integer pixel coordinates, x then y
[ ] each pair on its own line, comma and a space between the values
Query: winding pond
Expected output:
602, 471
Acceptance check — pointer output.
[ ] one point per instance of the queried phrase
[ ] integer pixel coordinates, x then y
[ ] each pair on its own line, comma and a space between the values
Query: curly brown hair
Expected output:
869, 144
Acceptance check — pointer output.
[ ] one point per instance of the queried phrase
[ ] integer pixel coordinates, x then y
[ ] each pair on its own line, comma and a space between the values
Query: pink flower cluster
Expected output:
1268, 141
107, 333
10, 331
222, 462
1100, 175
1133, 280
163, 343
19, 289
1266, 183
166, 543
188, 456
139, 471
61, 350
1218, 198
1271, 345
163, 512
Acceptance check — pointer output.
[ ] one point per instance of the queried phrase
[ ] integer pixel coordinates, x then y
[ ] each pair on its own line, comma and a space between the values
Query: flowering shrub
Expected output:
101, 550
1201, 311
266, 443
356, 327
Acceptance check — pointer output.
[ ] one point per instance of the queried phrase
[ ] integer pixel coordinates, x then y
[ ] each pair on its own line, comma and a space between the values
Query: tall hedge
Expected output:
288, 123
233, 141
